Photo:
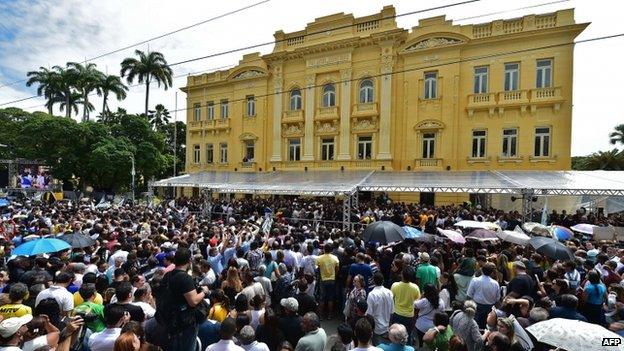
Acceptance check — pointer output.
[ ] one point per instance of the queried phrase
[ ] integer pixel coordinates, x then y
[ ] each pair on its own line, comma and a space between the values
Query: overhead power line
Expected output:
160, 36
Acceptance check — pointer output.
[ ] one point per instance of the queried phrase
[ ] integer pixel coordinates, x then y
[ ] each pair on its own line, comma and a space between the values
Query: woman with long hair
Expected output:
427, 308
232, 285
594, 295
127, 341
241, 305
502, 269
219, 306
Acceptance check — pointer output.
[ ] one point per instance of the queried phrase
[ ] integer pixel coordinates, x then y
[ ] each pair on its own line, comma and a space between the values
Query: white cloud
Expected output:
49, 33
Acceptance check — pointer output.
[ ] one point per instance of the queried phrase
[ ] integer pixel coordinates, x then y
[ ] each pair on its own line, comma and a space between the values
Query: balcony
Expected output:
293, 116
485, 101
365, 109
327, 113
532, 98
546, 96
249, 166
223, 123
513, 98
195, 125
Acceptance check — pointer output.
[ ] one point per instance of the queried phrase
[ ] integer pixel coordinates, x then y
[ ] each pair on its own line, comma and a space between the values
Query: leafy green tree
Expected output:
110, 164
111, 84
147, 68
179, 130
48, 85
158, 117
618, 135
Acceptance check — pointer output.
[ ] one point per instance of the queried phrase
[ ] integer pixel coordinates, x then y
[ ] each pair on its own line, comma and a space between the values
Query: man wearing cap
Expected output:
247, 339
522, 284
290, 322
426, 273
12, 331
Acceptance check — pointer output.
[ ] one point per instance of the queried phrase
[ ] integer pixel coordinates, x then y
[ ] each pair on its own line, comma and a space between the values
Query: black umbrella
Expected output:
383, 232
551, 248
77, 240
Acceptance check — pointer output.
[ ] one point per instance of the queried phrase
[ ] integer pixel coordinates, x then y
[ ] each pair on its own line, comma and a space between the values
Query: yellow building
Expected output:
361, 93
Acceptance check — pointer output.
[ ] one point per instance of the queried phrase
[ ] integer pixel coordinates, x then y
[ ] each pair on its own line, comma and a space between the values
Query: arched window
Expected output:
329, 95
366, 91
295, 100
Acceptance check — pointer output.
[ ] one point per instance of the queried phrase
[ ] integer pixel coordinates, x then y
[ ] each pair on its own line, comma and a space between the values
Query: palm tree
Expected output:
88, 78
618, 135
146, 68
70, 103
48, 84
605, 160
66, 81
111, 84
158, 117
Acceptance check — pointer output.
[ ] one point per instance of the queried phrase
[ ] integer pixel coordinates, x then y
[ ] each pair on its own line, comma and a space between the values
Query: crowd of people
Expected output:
268, 274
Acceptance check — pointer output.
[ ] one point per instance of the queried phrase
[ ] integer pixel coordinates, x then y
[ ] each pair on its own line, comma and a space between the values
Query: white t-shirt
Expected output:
64, 298
370, 348
146, 307
104, 340
35, 343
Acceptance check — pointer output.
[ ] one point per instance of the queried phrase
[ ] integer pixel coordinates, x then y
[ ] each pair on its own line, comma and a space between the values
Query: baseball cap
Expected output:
10, 326
424, 257
519, 264
290, 304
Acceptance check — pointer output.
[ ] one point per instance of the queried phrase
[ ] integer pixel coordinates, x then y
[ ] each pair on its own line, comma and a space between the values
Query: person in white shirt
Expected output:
118, 252
228, 328
247, 339
485, 291
143, 298
266, 284
115, 316
363, 332
380, 306
59, 292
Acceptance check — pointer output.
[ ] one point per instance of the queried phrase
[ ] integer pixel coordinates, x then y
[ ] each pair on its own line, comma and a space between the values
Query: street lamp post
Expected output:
133, 172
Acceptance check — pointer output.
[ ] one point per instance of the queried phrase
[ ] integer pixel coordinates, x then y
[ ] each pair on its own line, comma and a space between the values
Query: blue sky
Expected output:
36, 33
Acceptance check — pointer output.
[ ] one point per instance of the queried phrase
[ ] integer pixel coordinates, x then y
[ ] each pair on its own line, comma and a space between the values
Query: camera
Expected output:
87, 317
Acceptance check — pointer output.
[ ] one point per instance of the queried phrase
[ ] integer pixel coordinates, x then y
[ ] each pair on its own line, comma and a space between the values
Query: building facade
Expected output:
361, 93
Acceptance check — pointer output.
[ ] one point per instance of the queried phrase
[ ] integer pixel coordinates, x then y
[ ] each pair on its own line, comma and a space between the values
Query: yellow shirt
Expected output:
404, 295
14, 310
218, 313
327, 264
78, 299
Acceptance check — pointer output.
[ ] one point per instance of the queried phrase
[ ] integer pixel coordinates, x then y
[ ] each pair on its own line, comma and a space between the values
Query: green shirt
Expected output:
87, 307
426, 274
441, 341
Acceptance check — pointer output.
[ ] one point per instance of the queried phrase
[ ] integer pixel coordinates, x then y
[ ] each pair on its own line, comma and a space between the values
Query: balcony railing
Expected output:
222, 123
327, 113
545, 93
195, 124
363, 163
292, 116
429, 162
365, 109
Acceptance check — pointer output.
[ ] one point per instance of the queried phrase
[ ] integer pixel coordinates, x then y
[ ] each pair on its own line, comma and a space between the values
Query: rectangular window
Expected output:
249, 151
481, 80
510, 140
197, 112
478, 143
210, 112
511, 76
431, 85
542, 142
225, 109
365, 147
544, 73
327, 149
223, 152
294, 149
251, 106
209, 153
196, 154
428, 145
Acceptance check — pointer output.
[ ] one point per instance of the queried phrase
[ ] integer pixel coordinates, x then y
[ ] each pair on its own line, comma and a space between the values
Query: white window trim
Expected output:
508, 140
296, 101
368, 146
542, 72
509, 72
292, 148
197, 112
210, 147
210, 111
196, 154
541, 142
428, 150
251, 106
225, 109
366, 93
431, 86
479, 138
483, 88
326, 145
223, 153
328, 96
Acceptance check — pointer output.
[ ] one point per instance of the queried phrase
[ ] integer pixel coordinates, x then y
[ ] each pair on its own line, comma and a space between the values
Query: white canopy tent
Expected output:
347, 184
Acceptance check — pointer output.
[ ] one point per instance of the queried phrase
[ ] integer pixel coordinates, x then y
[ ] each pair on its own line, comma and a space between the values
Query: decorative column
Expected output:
345, 115
308, 144
385, 103
277, 115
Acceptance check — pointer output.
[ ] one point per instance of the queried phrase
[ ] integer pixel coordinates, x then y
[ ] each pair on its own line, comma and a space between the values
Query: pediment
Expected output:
247, 73
433, 43
429, 124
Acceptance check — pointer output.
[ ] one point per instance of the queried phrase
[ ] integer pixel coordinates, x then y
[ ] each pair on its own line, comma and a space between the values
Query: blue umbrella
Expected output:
41, 246
411, 232
562, 233
4, 203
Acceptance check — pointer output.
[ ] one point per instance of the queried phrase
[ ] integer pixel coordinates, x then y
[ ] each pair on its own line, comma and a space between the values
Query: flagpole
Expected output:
175, 141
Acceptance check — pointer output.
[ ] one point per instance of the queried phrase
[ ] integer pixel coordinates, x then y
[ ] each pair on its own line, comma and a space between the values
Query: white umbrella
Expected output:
571, 334
514, 237
584, 228
537, 229
454, 236
478, 225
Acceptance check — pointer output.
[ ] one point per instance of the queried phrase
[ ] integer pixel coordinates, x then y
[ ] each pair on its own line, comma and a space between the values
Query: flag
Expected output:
545, 212
266, 226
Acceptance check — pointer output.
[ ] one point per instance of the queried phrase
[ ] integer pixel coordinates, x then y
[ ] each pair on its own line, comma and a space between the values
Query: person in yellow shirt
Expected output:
218, 311
404, 294
17, 294
328, 266
88, 278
